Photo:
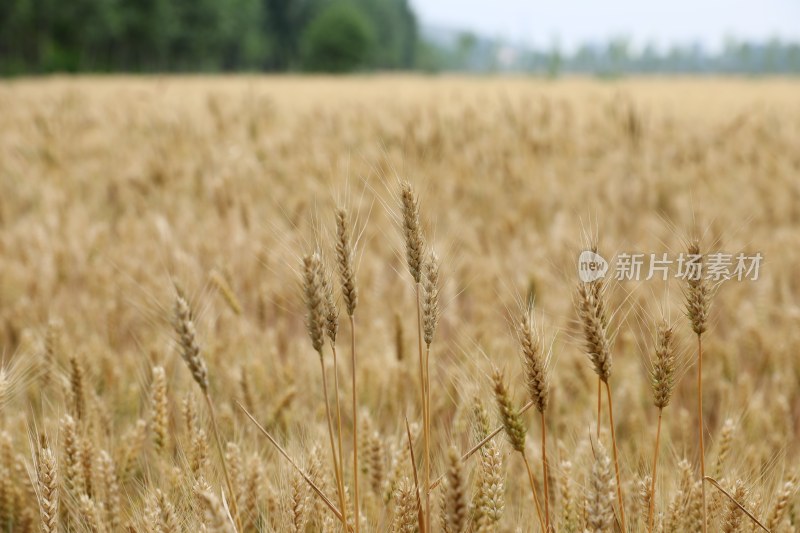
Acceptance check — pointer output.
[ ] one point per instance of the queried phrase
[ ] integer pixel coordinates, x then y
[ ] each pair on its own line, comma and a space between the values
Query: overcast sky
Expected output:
572, 22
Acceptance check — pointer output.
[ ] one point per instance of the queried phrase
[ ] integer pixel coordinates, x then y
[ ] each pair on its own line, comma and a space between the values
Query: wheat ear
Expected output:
515, 431
456, 499
191, 354
600, 499
47, 475
662, 380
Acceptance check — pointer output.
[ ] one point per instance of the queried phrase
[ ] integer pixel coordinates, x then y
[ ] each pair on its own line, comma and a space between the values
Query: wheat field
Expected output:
177, 251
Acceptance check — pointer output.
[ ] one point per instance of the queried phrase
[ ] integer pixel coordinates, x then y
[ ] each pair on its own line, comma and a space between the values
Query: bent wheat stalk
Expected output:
750, 515
292, 462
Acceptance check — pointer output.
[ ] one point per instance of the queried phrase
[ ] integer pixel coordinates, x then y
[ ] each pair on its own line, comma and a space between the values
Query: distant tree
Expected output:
339, 39
554, 60
244, 45
198, 40
395, 23
465, 48
147, 30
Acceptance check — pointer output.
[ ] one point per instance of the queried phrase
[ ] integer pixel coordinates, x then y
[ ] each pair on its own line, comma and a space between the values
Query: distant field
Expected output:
118, 195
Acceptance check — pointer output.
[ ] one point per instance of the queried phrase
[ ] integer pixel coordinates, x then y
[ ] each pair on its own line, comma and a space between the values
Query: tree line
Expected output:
41, 36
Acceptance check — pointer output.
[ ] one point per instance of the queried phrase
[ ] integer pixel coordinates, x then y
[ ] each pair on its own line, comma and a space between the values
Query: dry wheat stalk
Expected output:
317, 324
698, 297
183, 322
591, 311
294, 464
662, 381
347, 276
415, 251
534, 364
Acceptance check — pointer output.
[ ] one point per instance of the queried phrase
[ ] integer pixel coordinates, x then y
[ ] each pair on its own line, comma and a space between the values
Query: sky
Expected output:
573, 22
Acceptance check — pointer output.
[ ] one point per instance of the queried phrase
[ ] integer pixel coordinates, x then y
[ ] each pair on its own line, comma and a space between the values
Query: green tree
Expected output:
396, 24
339, 39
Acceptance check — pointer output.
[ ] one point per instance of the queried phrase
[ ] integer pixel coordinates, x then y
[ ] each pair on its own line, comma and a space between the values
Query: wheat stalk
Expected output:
318, 323
591, 311
191, 354
415, 249
537, 380
347, 275
662, 381
698, 296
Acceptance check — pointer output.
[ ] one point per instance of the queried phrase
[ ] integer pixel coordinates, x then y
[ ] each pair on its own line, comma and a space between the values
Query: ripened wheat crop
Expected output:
290, 304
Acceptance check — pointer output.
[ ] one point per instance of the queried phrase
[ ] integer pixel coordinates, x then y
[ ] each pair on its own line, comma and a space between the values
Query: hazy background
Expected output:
600, 38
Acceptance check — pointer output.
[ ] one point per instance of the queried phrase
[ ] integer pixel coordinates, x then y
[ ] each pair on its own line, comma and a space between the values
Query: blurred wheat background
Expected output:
115, 191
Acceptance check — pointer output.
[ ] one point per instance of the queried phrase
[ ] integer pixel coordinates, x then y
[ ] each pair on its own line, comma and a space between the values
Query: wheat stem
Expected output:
336, 469
700, 422
338, 421
616, 460
533, 491
651, 509
355, 418
599, 405
544, 474
425, 436
420, 517
228, 482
